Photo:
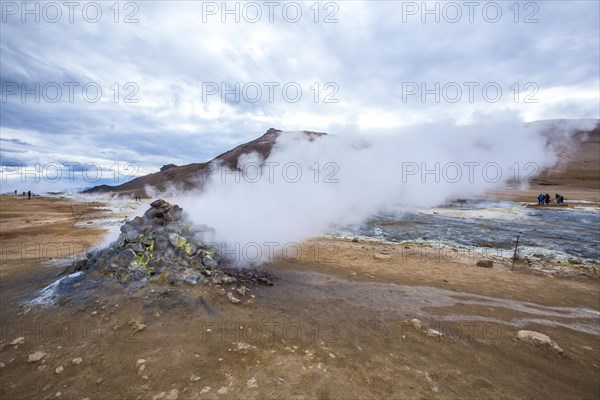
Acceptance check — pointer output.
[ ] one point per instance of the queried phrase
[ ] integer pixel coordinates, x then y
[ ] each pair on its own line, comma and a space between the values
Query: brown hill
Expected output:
578, 167
578, 159
190, 176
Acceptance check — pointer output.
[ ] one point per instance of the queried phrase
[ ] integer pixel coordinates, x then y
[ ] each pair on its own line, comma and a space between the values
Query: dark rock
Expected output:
137, 247
125, 257
137, 221
167, 166
176, 212
137, 274
191, 279
123, 276
209, 263
161, 243
157, 203
132, 236
485, 263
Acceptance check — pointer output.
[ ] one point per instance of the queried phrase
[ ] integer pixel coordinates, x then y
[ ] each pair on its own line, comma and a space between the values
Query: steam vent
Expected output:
165, 247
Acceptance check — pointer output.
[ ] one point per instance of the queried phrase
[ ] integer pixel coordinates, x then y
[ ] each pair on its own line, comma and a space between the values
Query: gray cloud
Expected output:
370, 55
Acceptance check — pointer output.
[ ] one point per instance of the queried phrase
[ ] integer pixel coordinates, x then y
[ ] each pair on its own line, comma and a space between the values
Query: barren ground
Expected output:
331, 326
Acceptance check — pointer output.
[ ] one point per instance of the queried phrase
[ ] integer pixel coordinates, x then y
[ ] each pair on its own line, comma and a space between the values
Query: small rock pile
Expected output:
163, 246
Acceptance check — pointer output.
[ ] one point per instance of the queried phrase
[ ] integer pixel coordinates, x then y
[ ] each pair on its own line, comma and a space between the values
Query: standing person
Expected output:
547, 197
15, 192
540, 199
29, 195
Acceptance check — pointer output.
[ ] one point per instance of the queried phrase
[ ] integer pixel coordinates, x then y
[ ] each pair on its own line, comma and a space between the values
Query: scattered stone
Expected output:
539, 339
233, 299
17, 341
205, 389
59, 369
355, 240
242, 347
194, 378
77, 361
99, 381
382, 256
173, 394
223, 390
585, 347
2, 365
159, 395
485, 263
416, 323
433, 333
252, 383
37, 356
136, 325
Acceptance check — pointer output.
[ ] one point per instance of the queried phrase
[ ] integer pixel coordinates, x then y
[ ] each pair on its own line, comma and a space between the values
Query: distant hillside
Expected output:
186, 177
578, 159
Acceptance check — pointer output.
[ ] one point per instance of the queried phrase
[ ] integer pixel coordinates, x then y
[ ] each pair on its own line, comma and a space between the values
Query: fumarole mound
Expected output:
164, 246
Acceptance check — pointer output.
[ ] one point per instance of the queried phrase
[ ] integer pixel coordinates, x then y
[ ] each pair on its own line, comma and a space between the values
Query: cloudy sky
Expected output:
119, 90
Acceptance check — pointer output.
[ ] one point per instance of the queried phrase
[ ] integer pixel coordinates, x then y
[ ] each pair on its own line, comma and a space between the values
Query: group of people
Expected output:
544, 199
138, 198
28, 194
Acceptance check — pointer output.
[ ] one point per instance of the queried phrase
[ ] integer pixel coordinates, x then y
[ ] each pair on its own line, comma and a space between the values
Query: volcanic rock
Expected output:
161, 246
164, 247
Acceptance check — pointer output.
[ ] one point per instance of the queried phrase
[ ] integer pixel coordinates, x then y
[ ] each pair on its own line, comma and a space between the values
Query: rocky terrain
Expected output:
355, 319
164, 247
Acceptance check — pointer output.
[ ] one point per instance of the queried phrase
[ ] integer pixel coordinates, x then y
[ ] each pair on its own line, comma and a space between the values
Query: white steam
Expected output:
306, 188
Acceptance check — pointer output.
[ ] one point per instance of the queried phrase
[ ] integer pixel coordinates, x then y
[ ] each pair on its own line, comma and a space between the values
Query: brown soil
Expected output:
331, 326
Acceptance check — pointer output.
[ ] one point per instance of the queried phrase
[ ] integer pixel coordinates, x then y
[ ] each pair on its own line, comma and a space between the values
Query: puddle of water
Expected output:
491, 227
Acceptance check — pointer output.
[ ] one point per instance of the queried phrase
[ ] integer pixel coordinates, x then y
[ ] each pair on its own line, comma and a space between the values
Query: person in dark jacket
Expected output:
541, 199
547, 198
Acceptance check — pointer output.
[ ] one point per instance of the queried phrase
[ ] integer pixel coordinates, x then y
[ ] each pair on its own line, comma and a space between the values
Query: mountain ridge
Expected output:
190, 176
